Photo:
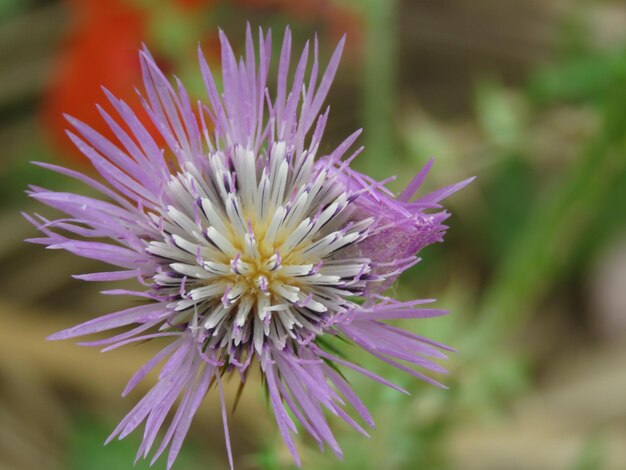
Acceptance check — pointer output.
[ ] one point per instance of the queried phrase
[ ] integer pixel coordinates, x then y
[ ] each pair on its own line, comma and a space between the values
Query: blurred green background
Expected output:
528, 95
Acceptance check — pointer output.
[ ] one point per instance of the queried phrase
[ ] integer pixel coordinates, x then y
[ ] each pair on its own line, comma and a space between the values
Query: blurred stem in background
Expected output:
560, 220
379, 83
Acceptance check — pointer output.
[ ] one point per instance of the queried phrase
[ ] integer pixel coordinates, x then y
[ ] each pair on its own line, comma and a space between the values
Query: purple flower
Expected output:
249, 251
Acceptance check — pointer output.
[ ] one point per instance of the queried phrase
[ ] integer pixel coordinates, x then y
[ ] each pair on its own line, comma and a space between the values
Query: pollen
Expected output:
252, 258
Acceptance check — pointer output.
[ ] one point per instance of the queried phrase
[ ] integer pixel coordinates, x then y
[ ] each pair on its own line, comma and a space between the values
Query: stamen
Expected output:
228, 271
262, 283
235, 264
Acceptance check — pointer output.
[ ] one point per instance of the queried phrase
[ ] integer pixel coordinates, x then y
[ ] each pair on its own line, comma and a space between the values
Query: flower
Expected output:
251, 252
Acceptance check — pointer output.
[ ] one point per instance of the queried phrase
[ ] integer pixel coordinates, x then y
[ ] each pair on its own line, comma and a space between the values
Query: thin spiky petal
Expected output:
249, 248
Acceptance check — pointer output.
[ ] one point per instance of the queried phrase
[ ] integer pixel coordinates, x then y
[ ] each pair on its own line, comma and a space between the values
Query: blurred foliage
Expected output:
592, 455
10, 8
86, 449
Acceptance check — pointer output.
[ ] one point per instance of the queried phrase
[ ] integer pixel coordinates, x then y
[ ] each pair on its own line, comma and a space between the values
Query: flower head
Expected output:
250, 250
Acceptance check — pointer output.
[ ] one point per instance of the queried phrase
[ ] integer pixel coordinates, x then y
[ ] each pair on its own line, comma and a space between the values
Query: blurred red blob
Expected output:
100, 50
